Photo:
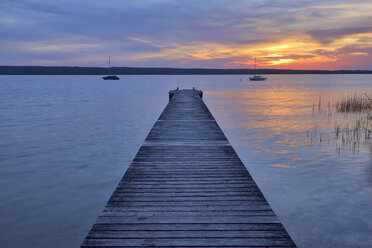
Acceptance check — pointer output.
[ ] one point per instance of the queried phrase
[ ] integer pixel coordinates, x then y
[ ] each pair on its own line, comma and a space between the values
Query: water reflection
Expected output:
343, 130
65, 141
277, 119
285, 131
297, 118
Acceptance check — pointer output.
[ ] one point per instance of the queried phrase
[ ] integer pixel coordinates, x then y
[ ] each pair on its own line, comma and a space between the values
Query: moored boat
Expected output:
110, 77
256, 77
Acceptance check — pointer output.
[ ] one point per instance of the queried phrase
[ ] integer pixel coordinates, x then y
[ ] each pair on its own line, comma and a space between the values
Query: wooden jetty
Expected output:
187, 187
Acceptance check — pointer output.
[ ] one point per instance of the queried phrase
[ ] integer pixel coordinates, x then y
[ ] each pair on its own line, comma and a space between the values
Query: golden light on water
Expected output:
285, 118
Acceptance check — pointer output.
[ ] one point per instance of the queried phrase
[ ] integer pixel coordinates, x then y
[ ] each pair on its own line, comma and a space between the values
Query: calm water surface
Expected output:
65, 142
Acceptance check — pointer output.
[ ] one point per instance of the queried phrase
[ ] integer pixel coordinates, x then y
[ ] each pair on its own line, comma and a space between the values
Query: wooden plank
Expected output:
184, 198
184, 234
184, 203
183, 208
189, 242
150, 172
189, 227
187, 187
184, 194
188, 180
139, 218
184, 214
188, 177
192, 191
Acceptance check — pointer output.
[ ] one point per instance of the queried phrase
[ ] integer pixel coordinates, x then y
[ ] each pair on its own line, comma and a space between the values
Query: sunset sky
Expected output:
286, 34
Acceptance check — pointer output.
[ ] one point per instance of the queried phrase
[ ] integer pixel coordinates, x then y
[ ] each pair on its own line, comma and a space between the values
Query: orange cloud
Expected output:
290, 52
296, 46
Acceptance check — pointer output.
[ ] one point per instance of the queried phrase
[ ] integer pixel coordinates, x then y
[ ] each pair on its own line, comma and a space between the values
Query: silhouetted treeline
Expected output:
73, 70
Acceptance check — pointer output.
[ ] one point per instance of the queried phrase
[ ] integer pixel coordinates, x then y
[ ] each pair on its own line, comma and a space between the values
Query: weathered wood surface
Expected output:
187, 187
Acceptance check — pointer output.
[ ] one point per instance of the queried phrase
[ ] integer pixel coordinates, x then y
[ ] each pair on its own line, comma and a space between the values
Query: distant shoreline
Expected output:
75, 70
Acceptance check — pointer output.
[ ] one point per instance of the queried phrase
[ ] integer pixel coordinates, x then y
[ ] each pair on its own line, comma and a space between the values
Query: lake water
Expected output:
65, 142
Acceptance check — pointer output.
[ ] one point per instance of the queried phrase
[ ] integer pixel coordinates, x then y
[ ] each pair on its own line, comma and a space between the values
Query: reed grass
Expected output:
351, 133
355, 103
361, 129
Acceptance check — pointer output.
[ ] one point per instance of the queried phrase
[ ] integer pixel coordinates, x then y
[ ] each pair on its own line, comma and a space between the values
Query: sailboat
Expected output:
255, 77
110, 77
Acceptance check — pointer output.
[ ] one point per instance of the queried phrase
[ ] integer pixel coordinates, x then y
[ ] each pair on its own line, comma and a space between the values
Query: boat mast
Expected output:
254, 70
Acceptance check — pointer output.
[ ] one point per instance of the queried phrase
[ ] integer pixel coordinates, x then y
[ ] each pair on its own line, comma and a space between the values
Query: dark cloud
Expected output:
172, 21
329, 35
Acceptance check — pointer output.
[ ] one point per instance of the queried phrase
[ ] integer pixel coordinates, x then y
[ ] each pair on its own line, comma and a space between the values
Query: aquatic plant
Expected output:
369, 115
360, 129
352, 120
355, 103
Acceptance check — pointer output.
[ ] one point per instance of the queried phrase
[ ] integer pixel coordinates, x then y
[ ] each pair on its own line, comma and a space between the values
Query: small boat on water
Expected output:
256, 77
110, 77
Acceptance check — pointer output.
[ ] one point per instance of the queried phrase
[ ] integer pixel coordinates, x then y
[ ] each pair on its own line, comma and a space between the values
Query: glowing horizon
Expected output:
328, 35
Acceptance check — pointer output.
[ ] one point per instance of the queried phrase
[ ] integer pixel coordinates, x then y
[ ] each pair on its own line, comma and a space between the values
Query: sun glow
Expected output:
280, 61
307, 36
291, 51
